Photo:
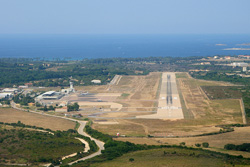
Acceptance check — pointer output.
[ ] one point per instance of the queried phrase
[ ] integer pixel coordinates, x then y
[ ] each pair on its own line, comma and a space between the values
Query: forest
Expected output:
57, 72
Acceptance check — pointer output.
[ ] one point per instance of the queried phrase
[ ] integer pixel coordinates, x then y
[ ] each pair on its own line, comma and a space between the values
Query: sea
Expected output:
82, 46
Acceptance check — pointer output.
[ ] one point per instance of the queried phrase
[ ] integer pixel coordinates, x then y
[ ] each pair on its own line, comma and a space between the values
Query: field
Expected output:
222, 92
10, 115
174, 157
211, 112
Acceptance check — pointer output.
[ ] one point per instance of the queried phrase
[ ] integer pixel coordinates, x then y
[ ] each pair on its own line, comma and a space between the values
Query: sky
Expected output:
124, 16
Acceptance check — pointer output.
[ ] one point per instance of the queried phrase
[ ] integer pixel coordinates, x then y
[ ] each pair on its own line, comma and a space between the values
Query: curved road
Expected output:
99, 143
80, 130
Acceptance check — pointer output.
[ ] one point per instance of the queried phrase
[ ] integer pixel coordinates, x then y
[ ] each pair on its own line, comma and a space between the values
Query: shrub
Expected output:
182, 143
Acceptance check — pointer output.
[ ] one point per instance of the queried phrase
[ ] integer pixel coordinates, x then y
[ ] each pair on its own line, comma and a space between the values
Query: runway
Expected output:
169, 106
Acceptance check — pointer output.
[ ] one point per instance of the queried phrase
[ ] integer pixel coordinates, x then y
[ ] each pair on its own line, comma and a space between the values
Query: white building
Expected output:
69, 90
6, 95
50, 95
10, 90
239, 64
96, 81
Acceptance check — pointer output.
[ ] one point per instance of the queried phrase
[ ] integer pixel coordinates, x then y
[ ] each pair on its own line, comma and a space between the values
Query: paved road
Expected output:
99, 143
80, 130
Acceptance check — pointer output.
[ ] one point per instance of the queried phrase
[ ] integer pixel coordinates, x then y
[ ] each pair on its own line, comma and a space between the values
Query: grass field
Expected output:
222, 92
10, 115
210, 111
186, 112
172, 157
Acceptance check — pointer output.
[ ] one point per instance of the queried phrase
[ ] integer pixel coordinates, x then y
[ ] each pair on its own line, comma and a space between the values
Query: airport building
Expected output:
6, 95
50, 95
10, 90
69, 90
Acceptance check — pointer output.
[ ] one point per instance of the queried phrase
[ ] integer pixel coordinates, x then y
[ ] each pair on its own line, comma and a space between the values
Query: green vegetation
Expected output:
131, 159
223, 92
73, 107
241, 147
181, 75
174, 157
20, 124
113, 149
128, 152
45, 108
23, 100
221, 76
25, 146
58, 72
228, 92
205, 145
198, 145
20, 145
125, 94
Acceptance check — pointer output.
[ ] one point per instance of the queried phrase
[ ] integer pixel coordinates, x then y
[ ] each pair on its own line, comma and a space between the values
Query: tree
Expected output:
74, 107
230, 147
38, 104
205, 145
131, 159
182, 143
197, 144
51, 108
45, 108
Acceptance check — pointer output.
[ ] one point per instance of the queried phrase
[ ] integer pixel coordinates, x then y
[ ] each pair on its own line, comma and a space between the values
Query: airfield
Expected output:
158, 108
164, 104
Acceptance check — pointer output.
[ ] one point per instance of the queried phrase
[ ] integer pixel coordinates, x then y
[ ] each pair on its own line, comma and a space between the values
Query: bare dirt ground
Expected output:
10, 115
139, 97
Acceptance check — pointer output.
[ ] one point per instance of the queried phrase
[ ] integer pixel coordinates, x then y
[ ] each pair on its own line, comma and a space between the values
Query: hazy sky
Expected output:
124, 16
